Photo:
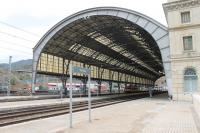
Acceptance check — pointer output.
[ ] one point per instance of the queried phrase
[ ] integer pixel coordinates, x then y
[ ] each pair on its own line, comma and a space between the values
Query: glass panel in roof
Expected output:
130, 30
91, 52
75, 47
72, 47
95, 54
102, 57
113, 62
96, 35
91, 34
118, 63
135, 37
127, 54
123, 65
103, 40
100, 38
80, 51
108, 60
85, 52
117, 48
112, 45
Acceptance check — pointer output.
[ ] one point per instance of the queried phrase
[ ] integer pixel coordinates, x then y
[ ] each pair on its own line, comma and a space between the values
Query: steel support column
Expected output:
118, 84
110, 86
99, 86
84, 86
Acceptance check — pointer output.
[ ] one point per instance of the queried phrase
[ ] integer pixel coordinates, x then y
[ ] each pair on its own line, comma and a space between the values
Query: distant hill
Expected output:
19, 65
18, 78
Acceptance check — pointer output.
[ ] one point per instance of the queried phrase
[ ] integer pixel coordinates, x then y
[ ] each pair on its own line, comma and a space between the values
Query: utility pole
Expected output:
9, 74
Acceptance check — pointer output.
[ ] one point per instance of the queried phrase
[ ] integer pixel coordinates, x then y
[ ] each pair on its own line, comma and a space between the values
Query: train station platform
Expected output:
37, 101
26, 98
46, 97
147, 115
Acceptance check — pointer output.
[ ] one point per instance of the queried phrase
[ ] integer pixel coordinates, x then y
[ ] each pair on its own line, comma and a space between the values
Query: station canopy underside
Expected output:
112, 47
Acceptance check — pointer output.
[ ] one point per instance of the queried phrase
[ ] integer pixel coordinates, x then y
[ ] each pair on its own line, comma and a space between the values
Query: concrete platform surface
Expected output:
23, 97
146, 115
32, 103
26, 98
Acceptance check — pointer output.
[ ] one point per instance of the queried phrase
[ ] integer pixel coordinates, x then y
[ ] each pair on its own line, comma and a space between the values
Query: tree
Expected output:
13, 81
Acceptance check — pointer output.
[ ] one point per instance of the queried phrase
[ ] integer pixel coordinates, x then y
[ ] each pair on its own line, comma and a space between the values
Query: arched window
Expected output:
190, 80
190, 72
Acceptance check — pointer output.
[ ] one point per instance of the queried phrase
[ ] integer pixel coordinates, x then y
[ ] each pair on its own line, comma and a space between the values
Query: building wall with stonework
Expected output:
183, 17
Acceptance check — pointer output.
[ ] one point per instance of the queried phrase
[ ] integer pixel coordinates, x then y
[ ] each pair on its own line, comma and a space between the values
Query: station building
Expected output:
122, 46
183, 18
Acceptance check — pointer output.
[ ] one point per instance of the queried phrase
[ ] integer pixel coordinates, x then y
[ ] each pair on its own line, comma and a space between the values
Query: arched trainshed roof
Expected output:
112, 38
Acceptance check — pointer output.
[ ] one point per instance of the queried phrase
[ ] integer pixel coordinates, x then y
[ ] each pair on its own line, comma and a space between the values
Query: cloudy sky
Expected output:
24, 22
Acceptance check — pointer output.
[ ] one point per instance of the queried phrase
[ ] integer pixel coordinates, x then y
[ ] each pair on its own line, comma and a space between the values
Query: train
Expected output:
129, 88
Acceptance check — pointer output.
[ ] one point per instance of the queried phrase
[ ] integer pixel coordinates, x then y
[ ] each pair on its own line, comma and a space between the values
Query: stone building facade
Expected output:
183, 18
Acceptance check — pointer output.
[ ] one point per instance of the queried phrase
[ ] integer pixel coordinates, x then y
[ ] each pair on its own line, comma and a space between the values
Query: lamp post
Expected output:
9, 85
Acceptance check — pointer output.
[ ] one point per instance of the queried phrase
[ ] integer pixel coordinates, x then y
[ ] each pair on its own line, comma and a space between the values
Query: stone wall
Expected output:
196, 103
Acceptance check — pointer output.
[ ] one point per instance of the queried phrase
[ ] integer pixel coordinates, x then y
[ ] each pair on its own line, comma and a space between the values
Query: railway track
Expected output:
28, 114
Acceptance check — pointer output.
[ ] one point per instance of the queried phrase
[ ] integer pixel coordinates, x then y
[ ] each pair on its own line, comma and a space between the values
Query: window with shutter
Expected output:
185, 17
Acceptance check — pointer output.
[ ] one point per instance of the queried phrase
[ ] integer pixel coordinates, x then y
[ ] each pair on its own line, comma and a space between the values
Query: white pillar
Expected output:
169, 86
89, 98
70, 104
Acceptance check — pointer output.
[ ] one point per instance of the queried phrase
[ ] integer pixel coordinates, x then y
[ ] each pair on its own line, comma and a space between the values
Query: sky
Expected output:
24, 22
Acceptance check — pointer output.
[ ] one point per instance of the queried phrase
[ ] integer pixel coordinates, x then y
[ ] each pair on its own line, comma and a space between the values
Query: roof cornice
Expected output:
180, 4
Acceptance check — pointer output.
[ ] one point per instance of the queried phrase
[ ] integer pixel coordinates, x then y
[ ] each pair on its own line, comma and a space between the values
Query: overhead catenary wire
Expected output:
12, 43
15, 27
15, 36
16, 50
18, 37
